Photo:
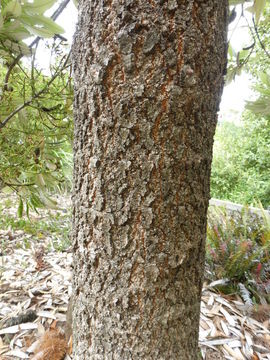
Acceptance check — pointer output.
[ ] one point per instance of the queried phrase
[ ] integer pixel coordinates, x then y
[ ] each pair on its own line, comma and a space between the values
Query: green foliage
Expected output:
238, 248
19, 21
261, 107
36, 153
257, 9
35, 108
255, 56
54, 225
226, 173
236, 2
259, 62
240, 169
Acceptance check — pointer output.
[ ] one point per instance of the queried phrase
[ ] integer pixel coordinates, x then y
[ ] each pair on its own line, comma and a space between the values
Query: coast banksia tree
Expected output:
148, 77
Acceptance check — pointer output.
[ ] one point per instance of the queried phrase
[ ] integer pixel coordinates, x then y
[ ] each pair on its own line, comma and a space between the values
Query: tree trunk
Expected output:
148, 77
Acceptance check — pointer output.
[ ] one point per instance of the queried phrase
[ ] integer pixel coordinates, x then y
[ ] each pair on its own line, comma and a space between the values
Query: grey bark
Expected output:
148, 77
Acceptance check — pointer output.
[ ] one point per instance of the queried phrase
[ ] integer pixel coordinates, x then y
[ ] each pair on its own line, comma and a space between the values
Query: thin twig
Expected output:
19, 184
251, 47
259, 38
250, 28
14, 185
28, 102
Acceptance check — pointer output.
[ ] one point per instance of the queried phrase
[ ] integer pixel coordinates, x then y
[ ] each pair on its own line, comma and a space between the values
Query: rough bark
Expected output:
148, 77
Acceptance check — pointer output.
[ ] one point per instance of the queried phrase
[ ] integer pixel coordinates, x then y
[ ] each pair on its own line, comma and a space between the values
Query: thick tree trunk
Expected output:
148, 77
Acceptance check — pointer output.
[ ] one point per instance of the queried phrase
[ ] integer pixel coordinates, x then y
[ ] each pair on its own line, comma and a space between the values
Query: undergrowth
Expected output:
238, 250
55, 224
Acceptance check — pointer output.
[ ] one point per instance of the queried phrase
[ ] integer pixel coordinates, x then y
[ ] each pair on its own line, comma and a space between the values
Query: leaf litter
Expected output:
35, 286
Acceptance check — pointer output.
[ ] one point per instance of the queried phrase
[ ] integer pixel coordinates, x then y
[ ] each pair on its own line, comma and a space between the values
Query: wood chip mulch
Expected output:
34, 290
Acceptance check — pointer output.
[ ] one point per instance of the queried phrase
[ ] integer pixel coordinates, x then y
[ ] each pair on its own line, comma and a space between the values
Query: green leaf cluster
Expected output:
254, 56
238, 248
36, 145
54, 224
240, 168
21, 20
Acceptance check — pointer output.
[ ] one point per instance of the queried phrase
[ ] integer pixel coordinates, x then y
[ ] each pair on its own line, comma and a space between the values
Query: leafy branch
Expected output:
259, 38
28, 102
54, 16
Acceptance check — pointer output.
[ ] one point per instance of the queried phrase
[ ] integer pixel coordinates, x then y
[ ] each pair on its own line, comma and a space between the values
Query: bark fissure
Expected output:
148, 77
